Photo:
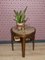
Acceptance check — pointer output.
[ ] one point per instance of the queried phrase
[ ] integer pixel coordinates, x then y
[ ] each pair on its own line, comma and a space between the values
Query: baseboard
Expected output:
9, 42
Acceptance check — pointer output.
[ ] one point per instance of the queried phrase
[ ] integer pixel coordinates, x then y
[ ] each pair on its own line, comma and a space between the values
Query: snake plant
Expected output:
20, 16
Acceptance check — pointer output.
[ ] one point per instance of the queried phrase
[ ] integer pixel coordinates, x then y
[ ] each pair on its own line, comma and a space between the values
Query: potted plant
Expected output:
20, 18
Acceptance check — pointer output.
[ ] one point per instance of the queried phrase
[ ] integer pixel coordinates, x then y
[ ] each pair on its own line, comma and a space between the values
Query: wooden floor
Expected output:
6, 52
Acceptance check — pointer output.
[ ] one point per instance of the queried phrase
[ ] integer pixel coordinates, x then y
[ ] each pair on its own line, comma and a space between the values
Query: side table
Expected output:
28, 32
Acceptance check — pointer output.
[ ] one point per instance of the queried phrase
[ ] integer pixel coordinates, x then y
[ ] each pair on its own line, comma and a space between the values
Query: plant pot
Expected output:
20, 26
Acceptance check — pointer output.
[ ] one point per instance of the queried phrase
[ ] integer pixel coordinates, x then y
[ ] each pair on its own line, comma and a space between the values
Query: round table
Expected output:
28, 32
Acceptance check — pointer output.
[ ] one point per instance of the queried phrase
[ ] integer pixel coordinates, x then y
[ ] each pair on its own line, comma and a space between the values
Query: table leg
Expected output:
33, 38
12, 40
23, 47
33, 44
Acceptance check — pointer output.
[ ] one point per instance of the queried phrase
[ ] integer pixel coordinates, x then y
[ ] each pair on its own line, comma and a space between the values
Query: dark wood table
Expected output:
28, 32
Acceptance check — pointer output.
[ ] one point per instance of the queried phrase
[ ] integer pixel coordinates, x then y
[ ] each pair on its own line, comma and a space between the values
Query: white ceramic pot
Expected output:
20, 26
